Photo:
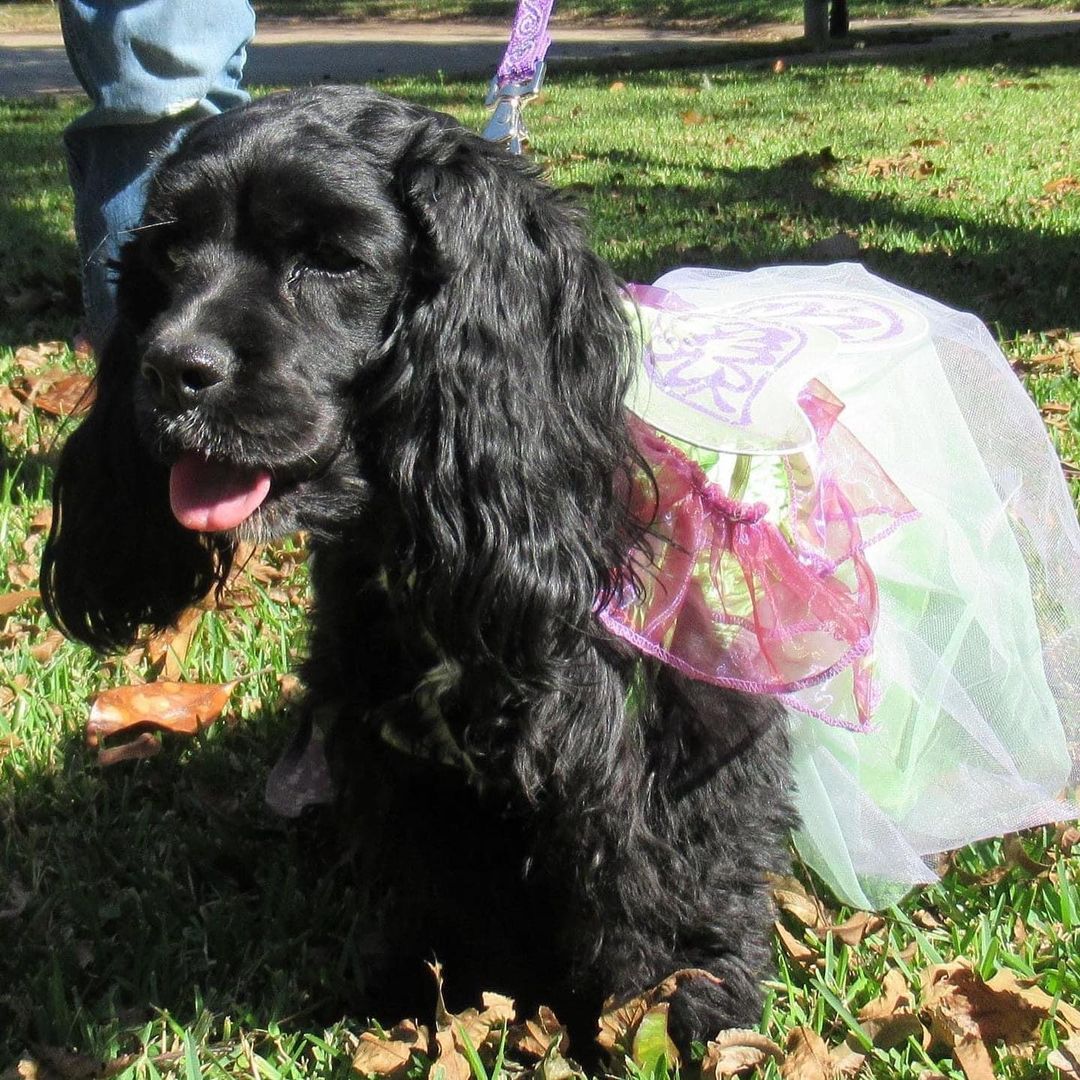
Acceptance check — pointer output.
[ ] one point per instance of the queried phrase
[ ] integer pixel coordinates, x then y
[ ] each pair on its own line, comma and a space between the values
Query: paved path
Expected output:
295, 53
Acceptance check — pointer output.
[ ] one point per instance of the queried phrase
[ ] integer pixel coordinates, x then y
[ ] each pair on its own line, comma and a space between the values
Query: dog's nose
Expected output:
180, 374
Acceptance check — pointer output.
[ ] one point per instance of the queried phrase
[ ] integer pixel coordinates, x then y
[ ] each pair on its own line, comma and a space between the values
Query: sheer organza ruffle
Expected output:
901, 564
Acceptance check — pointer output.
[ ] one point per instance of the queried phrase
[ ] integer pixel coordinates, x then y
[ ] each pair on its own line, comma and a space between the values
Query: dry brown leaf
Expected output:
69, 395
1007, 981
33, 357
8, 742
889, 1020
483, 1026
180, 708
10, 405
1066, 1058
1063, 185
42, 520
910, 163
806, 1056
862, 924
449, 1063
692, 117
847, 1058
141, 747
389, 1054
12, 601
535, 1037
968, 1014
894, 995
799, 952
618, 1022
1067, 837
45, 649
789, 895
1017, 855
168, 650
737, 1052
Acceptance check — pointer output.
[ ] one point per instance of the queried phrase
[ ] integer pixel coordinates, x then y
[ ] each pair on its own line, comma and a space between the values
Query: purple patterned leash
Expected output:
520, 75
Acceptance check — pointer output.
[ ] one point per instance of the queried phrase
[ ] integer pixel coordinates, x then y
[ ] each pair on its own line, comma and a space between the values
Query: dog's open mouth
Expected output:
213, 496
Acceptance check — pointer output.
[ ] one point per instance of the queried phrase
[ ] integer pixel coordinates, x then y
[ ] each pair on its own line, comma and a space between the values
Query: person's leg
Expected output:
150, 67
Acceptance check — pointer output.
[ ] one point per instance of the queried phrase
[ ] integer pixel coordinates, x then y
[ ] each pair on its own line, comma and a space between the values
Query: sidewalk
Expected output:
297, 53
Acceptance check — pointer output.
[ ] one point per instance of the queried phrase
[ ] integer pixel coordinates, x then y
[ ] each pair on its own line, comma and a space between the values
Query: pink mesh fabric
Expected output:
726, 597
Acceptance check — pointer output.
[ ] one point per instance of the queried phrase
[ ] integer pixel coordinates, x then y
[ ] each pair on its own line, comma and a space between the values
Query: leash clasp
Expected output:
507, 125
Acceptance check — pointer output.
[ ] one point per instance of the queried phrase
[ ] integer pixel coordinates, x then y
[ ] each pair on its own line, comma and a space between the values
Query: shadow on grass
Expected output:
1014, 279
39, 281
166, 884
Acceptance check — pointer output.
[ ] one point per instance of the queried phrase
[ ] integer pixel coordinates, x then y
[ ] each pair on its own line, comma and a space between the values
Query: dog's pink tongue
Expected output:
212, 496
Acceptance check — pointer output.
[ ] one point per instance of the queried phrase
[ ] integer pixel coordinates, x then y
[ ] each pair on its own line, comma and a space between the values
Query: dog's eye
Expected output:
328, 258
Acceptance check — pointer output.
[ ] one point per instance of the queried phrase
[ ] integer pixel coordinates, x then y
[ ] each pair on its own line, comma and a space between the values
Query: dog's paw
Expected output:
702, 1007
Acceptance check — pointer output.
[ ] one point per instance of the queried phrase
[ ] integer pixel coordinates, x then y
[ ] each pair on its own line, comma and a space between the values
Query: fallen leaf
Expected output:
1006, 981
862, 924
449, 1063
1017, 855
141, 747
779, 66
42, 520
736, 1052
69, 395
33, 357
789, 895
10, 405
482, 1026
1068, 837
910, 163
8, 742
168, 650
1063, 185
806, 1056
691, 117
180, 708
969, 1014
537, 1036
11, 601
389, 1054
44, 650
799, 952
1066, 1058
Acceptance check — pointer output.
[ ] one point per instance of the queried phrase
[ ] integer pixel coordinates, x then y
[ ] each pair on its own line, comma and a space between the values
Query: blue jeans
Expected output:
150, 67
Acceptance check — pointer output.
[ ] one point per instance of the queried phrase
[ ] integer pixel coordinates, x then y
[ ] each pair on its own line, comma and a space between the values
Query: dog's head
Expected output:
345, 312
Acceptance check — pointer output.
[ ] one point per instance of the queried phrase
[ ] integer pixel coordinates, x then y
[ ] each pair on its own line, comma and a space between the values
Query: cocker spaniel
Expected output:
353, 317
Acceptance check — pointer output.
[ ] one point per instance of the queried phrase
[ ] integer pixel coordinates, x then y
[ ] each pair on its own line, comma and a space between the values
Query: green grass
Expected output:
155, 912
38, 15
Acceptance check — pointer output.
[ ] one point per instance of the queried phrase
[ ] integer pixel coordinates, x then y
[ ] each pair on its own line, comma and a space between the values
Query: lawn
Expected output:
38, 15
153, 914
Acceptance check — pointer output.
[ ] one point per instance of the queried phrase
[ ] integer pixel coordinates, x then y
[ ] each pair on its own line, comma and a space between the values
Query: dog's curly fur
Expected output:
405, 327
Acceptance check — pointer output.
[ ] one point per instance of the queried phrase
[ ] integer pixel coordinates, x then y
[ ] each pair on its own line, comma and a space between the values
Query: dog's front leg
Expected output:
672, 848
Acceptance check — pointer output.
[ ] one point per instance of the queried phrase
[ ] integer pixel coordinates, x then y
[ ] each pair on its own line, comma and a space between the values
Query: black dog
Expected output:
348, 315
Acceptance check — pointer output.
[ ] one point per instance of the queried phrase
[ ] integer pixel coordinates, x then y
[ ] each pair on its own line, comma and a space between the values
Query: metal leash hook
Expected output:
507, 124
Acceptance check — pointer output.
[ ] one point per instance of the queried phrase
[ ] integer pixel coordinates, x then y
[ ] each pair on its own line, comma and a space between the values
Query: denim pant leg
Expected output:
150, 67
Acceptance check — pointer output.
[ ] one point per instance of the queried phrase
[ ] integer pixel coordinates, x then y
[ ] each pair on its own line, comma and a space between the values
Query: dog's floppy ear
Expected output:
116, 558
509, 444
